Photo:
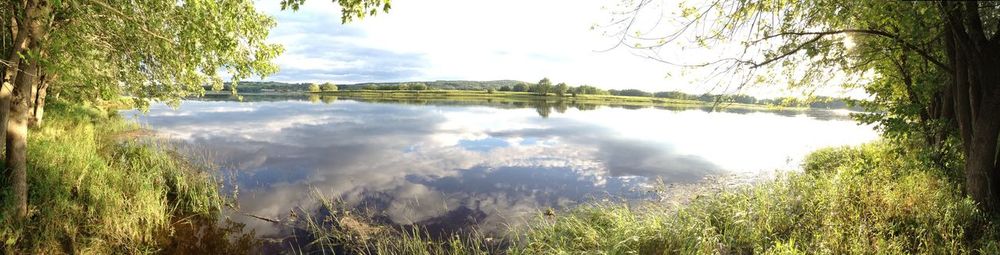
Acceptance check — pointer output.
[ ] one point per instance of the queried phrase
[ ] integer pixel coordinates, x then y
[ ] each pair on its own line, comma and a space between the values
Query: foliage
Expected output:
418, 86
329, 87
444, 85
520, 87
314, 87
589, 90
560, 89
543, 87
874, 198
156, 50
350, 9
630, 92
338, 230
96, 190
930, 65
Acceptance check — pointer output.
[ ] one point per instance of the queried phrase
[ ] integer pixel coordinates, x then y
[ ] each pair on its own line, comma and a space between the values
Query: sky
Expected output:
429, 40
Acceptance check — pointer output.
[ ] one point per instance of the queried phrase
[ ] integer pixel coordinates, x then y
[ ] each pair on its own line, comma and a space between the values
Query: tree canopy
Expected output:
543, 87
88, 51
329, 86
930, 65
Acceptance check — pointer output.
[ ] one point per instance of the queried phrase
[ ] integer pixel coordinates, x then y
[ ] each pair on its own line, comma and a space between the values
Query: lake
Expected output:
446, 165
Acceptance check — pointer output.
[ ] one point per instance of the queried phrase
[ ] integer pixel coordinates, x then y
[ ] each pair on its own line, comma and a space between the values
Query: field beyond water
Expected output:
459, 95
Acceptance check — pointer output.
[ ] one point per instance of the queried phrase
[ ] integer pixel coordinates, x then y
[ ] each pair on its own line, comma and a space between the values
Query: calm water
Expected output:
449, 164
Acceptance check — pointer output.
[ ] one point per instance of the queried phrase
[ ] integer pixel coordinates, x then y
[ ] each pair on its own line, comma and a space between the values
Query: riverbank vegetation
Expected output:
73, 185
875, 198
534, 98
96, 189
506, 88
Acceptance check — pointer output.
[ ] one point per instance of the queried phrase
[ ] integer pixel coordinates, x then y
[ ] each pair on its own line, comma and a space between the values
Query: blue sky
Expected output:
478, 40
460, 39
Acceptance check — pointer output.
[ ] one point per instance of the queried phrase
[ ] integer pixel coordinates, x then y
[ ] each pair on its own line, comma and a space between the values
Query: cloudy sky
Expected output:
470, 40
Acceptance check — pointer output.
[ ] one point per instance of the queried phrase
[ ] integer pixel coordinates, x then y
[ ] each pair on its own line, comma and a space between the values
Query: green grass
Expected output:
871, 199
93, 189
336, 229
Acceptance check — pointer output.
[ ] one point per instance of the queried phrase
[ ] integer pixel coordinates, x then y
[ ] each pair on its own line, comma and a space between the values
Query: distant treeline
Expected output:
270, 86
559, 89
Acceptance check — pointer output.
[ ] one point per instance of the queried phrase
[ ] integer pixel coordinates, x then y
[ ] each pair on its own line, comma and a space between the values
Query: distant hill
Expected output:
457, 84
273, 86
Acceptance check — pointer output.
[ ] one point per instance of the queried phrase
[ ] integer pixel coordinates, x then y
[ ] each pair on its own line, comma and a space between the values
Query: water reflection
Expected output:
455, 163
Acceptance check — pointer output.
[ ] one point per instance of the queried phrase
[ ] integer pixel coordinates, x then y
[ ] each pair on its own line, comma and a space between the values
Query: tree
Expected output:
589, 90
370, 87
505, 88
543, 87
490, 90
329, 87
314, 87
418, 86
520, 87
936, 61
92, 51
403, 86
560, 89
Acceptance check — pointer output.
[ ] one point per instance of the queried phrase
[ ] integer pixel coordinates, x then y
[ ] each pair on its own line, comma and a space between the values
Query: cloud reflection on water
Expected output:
429, 164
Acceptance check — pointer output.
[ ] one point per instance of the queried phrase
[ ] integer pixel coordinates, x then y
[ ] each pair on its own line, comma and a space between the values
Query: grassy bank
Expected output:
459, 95
872, 199
93, 189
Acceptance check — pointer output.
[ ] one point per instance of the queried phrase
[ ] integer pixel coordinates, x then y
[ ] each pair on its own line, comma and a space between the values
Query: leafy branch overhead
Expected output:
350, 9
931, 66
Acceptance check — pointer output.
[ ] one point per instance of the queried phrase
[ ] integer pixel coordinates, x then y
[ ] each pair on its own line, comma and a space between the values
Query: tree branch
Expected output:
793, 51
921, 52
123, 15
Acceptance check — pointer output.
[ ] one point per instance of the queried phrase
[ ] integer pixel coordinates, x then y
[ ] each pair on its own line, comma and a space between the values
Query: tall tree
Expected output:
543, 87
560, 89
103, 49
938, 59
520, 87
96, 50
329, 87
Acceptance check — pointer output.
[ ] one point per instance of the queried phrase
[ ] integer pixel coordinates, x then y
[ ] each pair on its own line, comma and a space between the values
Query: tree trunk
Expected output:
975, 85
38, 108
17, 136
20, 43
36, 13
32, 95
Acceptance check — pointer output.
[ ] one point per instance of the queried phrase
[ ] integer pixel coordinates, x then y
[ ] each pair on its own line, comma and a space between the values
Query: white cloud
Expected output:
472, 40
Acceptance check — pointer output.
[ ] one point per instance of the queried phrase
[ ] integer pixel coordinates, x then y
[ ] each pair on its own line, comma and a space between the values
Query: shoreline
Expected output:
476, 95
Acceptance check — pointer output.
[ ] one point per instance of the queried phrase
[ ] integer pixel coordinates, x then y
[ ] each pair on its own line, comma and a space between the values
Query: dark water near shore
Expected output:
447, 165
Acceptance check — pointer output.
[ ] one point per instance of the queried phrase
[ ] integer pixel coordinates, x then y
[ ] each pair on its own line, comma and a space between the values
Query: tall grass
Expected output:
94, 190
870, 199
337, 229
